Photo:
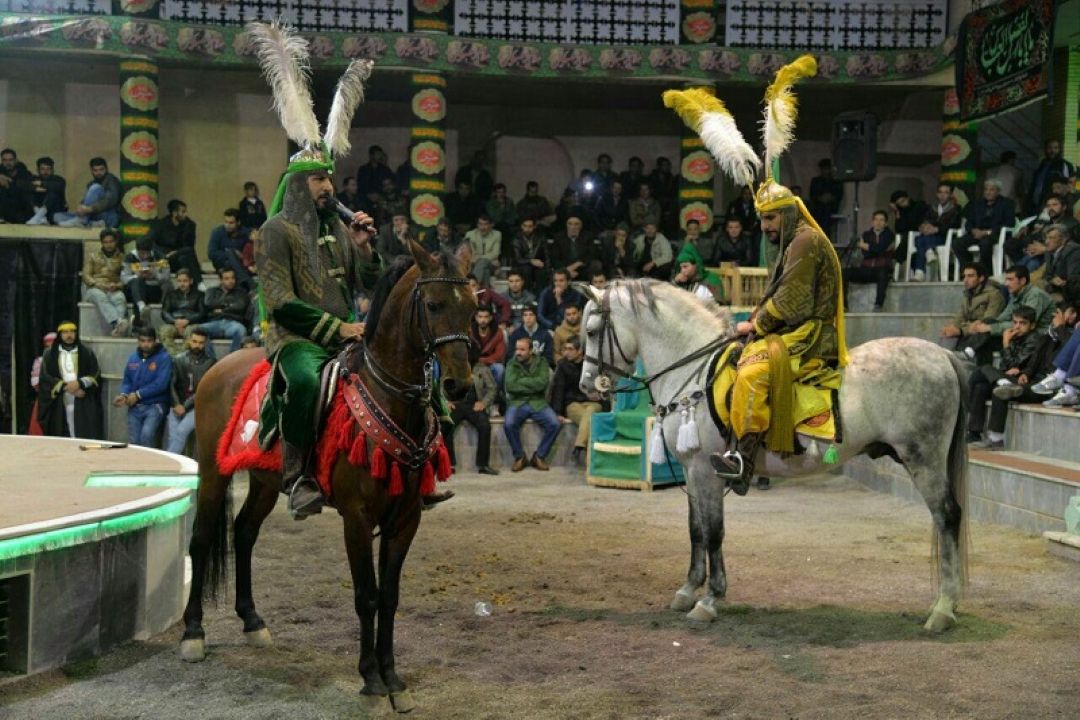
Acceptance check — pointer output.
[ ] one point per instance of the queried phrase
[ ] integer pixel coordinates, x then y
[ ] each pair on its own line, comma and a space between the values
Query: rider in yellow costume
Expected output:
797, 330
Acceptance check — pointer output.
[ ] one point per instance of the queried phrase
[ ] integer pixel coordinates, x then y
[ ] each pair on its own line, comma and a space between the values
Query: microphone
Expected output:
347, 216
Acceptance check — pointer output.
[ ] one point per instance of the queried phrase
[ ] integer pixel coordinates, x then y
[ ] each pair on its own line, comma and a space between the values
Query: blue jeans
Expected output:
546, 419
179, 430
498, 370
94, 193
922, 244
144, 421
225, 328
1068, 357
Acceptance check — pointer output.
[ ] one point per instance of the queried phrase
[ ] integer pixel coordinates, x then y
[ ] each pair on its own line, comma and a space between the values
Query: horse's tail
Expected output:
957, 466
217, 556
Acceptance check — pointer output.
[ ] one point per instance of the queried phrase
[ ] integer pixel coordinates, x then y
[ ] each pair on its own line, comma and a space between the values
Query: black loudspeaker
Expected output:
854, 146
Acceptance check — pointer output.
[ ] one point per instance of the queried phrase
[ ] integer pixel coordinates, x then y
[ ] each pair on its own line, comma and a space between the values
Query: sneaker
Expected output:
931, 257
305, 498
1048, 385
918, 276
1063, 399
763, 483
1008, 392
995, 445
487, 470
973, 437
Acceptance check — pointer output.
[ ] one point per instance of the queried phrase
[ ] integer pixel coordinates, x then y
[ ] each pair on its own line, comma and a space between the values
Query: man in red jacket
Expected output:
491, 342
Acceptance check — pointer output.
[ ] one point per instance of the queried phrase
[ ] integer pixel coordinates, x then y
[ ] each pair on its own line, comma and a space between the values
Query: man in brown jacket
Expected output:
101, 281
983, 300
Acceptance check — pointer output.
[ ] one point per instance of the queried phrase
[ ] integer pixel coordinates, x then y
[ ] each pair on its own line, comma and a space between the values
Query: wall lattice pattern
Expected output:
592, 22
58, 7
305, 15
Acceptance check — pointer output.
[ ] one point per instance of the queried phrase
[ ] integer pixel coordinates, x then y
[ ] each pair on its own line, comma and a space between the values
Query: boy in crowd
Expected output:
518, 296
490, 341
570, 404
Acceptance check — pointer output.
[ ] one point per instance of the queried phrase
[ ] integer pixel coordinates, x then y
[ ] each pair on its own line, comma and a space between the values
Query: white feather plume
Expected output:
733, 154
349, 94
283, 57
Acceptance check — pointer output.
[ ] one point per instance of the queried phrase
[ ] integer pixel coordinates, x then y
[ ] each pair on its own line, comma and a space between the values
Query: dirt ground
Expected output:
828, 588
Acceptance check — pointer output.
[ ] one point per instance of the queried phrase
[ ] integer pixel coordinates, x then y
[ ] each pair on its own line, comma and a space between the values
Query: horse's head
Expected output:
610, 345
444, 308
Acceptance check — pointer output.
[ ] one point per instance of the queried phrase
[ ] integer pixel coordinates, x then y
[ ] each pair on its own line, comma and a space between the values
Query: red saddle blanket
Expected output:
355, 427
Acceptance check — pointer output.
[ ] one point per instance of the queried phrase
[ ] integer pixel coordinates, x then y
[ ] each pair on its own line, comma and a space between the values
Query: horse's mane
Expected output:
643, 294
394, 272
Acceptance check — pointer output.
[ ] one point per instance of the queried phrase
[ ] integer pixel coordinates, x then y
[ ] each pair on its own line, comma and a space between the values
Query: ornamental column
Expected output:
427, 149
698, 22
139, 99
697, 172
958, 156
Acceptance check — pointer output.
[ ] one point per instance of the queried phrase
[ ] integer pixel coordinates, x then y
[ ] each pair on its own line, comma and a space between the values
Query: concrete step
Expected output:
92, 324
1046, 433
501, 457
907, 297
861, 327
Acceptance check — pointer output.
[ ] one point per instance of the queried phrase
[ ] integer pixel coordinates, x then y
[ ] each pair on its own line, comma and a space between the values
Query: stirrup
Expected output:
305, 498
725, 468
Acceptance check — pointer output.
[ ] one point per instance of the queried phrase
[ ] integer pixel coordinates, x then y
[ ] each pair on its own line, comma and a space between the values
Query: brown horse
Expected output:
425, 314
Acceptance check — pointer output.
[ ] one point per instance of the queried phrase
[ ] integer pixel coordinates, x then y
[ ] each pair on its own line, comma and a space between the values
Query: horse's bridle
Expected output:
417, 310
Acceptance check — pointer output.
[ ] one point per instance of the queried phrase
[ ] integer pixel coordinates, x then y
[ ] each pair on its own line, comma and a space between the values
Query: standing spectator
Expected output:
555, 298
877, 245
1009, 176
528, 255
486, 244
983, 301
535, 206
351, 198
370, 177
570, 327
391, 202
393, 239
100, 205
101, 283
940, 218
526, 384
1052, 164
251, 207
15, 193
705, 245
531, 330
502, 211
518, 296
644, 209
742, 209
567, 399
69, 388
226, 249
573, 249
48, 193
908, 215
735, 245
476, 176
612, 207
174, 237
188, 370
247, 255
462, 208
34, 426
695, 278
665, 188
986, 336
633, 176
604, 177
145, 389
826, 195
486, 296
490, 340
227, 307
473, 409
985, 219
145, 277
654, 254
183, 307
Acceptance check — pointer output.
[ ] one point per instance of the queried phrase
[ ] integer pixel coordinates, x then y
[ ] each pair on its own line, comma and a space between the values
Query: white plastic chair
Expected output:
912, 234
947, 263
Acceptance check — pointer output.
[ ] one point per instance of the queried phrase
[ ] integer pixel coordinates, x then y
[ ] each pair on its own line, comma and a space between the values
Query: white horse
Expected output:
901, 397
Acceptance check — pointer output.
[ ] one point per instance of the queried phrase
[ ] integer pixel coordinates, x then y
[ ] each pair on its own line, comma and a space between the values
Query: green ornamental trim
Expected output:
139, 92
141, 202
195, 44
140, 148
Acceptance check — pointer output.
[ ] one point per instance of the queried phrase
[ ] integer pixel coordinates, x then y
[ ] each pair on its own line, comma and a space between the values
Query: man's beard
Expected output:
323, 201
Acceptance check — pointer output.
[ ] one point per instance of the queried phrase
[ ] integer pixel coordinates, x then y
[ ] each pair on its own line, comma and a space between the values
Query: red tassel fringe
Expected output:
442, 457
358, 454
397, 483
378, 467
427, 479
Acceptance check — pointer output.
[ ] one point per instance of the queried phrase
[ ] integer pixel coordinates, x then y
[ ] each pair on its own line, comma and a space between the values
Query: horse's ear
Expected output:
587, 290
423, 258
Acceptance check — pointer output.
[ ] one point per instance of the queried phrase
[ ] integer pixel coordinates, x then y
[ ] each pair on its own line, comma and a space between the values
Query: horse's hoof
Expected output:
682, 602
260, 638
402, 701
939, 622
375, 705
701, 613
193, 650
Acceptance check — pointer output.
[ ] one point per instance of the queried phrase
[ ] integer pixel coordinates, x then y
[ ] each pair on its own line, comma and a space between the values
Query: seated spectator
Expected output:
570, 206
226, 249
69, 388
351, 198
174, 237
620, 263
100, 205
1063, 188
499, 305
877, 245
528, 255
189, 367
742, 209
145, 277
15, 189
502, 211
370, 176
442, 237
574, 249
555, 298
907, 216
1023, 355
250, 342
983, 300
462, 208
826, 196
599, 280
612, 207
518, 296
940, 218
986, 336
251, 207
531, 330
536, 206
1009, 176
390, 202
1052, 164
473, 409
567, 399
226, 310
526, 385
570, 326
694, 278
1062, 260
634, 174
101, 283
986, 217
705, 245
182, 307
1058, 389
490, 340
393, 239
644, 209
665, 188
735, 245
247, 255
145, 389
486, 244
476, 176
653, 252
48, 193
1026, 246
